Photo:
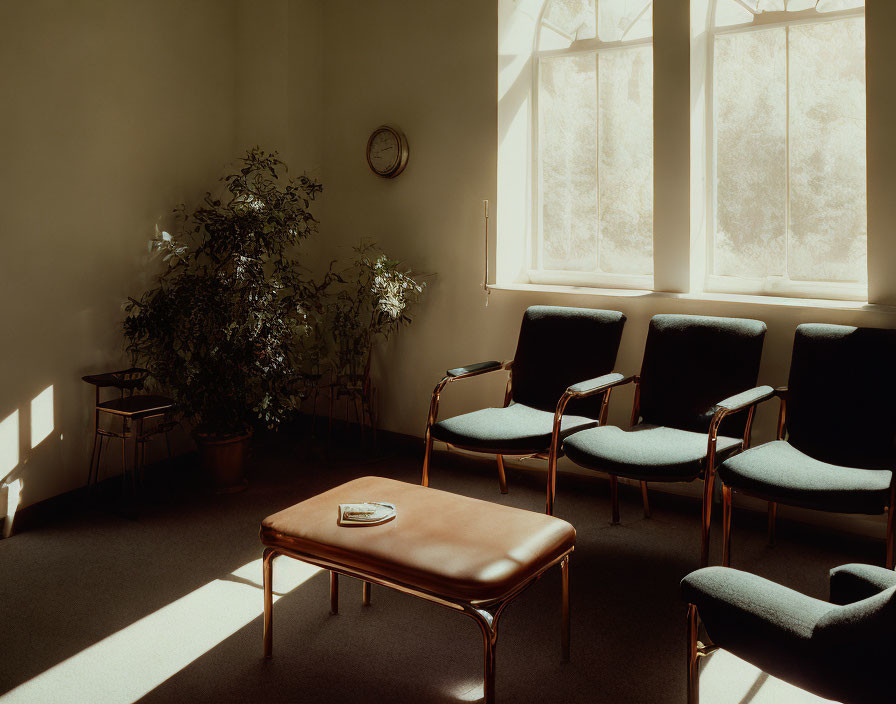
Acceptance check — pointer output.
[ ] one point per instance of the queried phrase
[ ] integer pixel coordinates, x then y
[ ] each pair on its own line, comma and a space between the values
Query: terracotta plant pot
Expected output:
223, 459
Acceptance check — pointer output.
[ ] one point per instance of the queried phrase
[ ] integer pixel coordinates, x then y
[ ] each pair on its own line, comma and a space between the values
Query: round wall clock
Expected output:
387, 151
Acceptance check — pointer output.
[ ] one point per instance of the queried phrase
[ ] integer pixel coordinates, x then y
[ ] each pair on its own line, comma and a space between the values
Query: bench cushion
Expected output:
448, 545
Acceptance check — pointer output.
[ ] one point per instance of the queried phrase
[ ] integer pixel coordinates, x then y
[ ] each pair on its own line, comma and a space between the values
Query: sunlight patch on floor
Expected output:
726, 679
125, 666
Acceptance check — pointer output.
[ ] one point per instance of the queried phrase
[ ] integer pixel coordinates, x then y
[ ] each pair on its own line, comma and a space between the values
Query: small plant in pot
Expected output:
222, 329
369, 300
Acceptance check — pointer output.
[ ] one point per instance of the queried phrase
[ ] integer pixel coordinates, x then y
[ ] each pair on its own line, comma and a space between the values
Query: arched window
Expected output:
593, 144
787, 207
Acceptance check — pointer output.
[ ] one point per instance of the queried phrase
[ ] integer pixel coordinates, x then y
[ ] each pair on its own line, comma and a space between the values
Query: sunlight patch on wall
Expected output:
41, 416
9, 443
125, 666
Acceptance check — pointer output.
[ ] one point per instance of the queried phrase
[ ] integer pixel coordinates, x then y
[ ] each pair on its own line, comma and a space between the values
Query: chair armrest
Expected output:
598, 384
854, 582
745, 399
754, 618
476, 369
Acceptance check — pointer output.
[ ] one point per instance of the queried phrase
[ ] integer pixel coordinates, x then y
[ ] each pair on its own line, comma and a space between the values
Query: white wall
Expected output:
430, 68
117, 110
113, 112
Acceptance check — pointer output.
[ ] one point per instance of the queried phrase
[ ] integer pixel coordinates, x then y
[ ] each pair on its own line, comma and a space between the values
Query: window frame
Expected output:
536, 273
680, 165
765, 286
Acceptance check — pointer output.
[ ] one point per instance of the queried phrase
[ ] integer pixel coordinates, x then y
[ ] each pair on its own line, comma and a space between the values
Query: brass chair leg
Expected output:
890, 510
772, 513
365, 593
644, 500
707, 517
334, 593
727, 511
267, 578
693, 671
502, 478
564, 623
614, 498
427, 452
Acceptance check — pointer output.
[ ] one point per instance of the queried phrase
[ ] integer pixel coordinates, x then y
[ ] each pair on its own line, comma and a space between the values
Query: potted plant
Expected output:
222, 330
372, 300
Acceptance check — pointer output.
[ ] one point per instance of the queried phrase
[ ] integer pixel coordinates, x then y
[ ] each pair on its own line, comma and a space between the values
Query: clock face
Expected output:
384, 152
387, 152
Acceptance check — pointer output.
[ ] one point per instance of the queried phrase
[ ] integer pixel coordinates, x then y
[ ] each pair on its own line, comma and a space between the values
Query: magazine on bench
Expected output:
365, 513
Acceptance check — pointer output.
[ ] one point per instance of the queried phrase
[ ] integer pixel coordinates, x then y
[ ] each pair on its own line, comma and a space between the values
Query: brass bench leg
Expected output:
365, 593
564, 623
488, 624
334, 593
268, 574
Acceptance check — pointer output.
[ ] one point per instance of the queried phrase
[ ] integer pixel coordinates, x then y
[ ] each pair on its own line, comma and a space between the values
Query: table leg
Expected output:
488, 624
365, 593
267, 578
334, 593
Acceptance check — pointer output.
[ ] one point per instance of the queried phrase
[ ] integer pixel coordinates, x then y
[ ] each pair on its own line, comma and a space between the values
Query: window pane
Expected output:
572, 18
834, 5
729, 12
827, 152
750, 120
624, 19
625, 170
567, 139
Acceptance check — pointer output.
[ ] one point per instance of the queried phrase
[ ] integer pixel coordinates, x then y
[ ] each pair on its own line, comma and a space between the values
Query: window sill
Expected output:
776, 301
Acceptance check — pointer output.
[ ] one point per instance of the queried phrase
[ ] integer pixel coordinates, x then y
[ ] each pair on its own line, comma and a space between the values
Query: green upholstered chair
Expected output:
843, 649
558, 347
835, 449
693, 406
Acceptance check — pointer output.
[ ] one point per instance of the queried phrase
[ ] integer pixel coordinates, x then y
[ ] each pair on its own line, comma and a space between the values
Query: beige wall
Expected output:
116, 110
430, 68
112, 113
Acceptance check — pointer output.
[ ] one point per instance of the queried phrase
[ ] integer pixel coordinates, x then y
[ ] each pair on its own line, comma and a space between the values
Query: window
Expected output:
593, 144
759, 147
787, 211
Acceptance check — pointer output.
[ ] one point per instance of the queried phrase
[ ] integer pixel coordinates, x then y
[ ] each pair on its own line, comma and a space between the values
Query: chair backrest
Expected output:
691, 363
841, 406
561, 346
855, 648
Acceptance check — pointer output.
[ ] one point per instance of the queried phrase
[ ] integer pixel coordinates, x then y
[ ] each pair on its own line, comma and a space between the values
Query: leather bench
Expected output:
469, 555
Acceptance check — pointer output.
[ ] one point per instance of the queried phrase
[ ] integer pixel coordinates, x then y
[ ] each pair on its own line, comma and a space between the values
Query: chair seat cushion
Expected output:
777, 471
648, 452
516, 429
442, 543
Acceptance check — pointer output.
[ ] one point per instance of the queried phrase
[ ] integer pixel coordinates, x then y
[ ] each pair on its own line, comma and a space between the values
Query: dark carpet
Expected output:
89, 573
